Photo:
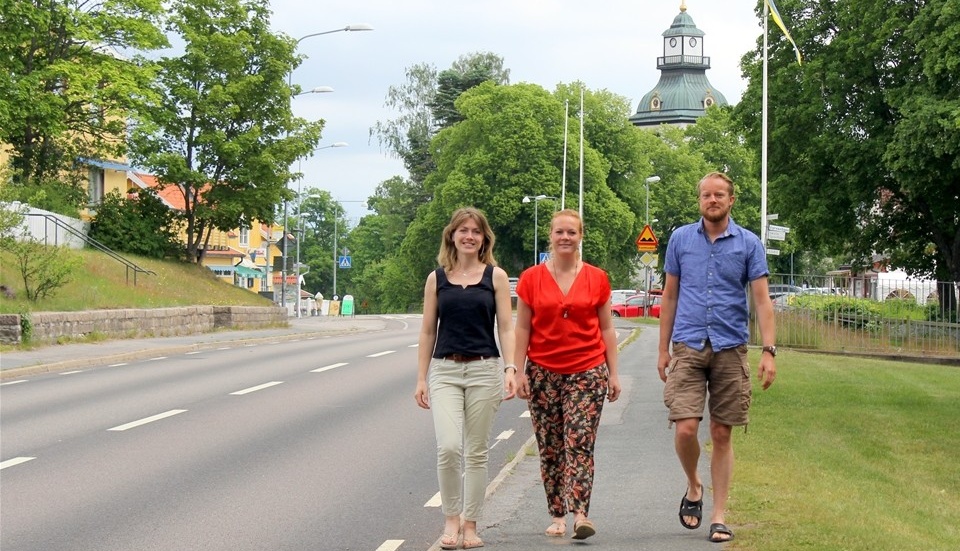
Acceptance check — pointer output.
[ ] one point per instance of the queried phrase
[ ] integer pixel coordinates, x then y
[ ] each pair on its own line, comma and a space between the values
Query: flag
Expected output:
779, 21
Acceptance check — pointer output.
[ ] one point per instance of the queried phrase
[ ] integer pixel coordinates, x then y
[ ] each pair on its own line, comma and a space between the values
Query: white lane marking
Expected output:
118, 365
14, 382
384, 353
157, 358
434, 501
502, 437
194, 352
249, 345
328, 368
74, 372
414, 345
14, 461
526, 413
150, 419
224, 348
390, 545
256, 388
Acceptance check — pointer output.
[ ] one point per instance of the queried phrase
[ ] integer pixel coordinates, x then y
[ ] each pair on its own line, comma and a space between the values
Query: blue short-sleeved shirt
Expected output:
712, 303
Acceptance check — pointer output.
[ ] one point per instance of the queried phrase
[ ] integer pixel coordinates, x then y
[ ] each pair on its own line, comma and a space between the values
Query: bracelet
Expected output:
509, 366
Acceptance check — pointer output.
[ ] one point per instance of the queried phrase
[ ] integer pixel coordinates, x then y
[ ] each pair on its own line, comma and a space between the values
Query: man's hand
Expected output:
662, 362
767, 371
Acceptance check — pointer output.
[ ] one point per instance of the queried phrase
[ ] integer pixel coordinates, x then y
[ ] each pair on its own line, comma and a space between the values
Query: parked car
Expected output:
634, 306
619, 296
777, 290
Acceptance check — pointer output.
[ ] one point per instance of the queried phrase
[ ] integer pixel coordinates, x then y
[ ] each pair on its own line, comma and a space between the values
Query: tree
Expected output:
67, 93
865, 135
143, 225
222, 131
426, 105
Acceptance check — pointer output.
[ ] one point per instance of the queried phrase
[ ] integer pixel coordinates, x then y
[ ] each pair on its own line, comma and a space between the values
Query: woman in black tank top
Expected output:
459, 376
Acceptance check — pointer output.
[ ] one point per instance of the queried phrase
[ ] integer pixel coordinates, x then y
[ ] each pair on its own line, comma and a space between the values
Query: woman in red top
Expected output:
567, 346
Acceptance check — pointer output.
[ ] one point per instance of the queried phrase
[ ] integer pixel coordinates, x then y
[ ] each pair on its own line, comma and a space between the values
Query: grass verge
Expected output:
102, 283
849, 455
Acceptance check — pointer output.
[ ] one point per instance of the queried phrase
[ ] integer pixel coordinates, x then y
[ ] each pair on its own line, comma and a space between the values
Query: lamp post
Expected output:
319, 89
646, 268
536, 223
300, 224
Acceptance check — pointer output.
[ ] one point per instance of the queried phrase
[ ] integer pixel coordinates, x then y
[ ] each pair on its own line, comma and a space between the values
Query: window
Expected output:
96, 185
244, 235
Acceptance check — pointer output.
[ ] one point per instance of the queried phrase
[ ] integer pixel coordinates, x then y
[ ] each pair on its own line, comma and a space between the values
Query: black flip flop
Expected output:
691, 509
718, 528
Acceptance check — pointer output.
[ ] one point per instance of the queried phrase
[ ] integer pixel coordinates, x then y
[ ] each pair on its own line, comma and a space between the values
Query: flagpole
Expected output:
763, 135
581, 153
563, 178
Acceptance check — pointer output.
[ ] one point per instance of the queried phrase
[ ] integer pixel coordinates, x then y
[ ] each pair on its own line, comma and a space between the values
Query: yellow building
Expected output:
243, 257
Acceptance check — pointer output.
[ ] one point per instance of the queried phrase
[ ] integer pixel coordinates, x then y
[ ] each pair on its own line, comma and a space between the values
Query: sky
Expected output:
606, 44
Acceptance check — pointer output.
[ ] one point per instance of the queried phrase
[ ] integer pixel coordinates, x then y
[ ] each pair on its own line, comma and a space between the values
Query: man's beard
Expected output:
715, 216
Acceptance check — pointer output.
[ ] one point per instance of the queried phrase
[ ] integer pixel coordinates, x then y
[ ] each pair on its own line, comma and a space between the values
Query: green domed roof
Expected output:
684, 92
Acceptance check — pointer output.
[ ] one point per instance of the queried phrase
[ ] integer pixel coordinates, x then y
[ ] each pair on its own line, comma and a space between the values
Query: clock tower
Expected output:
683, 93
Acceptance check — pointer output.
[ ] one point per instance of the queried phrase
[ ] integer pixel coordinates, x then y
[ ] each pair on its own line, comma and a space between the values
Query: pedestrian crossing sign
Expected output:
344, 261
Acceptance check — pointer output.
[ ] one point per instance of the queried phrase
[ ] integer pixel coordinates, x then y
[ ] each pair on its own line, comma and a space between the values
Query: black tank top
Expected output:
466, 317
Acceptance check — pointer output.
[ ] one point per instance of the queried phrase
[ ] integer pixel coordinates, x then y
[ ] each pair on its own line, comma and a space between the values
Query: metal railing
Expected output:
61, 226
875, 313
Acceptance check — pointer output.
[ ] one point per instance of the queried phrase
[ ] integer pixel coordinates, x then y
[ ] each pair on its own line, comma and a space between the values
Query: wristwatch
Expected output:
771, 349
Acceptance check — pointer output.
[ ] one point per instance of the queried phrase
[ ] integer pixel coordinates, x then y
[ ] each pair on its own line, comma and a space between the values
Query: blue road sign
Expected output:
344, 262
544, 257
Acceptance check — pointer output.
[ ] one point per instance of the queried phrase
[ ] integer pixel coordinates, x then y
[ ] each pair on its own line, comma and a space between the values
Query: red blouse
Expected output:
565, 330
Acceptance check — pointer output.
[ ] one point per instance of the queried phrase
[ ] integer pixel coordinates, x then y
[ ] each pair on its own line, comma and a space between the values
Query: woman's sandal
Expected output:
583, 529
448, 541
556, 530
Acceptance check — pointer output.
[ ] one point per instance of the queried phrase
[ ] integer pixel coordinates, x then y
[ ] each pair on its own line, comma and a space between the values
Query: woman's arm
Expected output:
428, 340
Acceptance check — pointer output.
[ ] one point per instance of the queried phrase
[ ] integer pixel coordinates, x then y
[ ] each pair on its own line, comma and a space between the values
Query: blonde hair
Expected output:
447, 257
572, 214
719, 175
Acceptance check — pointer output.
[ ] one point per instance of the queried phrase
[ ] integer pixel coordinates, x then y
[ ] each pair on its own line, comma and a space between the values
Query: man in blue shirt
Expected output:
703, 341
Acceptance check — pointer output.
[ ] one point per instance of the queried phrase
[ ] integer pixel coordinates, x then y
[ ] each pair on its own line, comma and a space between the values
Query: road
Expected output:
313, 443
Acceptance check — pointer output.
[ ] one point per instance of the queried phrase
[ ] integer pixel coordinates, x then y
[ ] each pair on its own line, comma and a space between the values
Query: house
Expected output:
245, 256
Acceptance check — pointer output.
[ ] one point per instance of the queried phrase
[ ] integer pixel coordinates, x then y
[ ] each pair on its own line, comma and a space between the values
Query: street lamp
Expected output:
300, 223
536, 241
317, 90
646, 268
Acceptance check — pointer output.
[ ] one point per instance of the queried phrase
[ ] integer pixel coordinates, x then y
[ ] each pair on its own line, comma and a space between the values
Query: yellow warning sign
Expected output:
646, 241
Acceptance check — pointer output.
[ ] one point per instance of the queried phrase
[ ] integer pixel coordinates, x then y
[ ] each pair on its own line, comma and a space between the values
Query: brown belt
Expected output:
462, 358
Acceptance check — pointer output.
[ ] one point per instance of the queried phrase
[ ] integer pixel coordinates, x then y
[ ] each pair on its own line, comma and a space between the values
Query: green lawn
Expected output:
850, 454
101, 282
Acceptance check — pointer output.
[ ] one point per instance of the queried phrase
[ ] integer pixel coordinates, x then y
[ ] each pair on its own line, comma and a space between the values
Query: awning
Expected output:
248, 272
109, 165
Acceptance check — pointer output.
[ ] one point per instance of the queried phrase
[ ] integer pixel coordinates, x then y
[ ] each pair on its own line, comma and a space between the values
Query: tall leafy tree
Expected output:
67, 92
223, 132
425, 105
864, 145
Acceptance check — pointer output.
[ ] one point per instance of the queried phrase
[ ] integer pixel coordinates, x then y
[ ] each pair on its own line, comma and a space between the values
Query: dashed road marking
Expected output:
328, 368
150, 419
14, 461
256, 388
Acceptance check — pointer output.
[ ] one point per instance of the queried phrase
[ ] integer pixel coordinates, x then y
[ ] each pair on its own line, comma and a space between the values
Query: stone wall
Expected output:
51, 327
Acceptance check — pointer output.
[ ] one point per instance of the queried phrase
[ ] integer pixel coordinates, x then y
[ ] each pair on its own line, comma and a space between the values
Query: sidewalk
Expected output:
638, 483
80, 355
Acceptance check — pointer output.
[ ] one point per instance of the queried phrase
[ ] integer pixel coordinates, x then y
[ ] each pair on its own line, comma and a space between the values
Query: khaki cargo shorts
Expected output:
724, 374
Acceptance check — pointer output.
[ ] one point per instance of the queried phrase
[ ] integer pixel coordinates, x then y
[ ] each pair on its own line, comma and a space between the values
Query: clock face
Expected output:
693, 42
673, 42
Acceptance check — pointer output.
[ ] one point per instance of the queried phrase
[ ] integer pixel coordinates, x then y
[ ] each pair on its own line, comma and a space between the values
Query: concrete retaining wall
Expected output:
51, 327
